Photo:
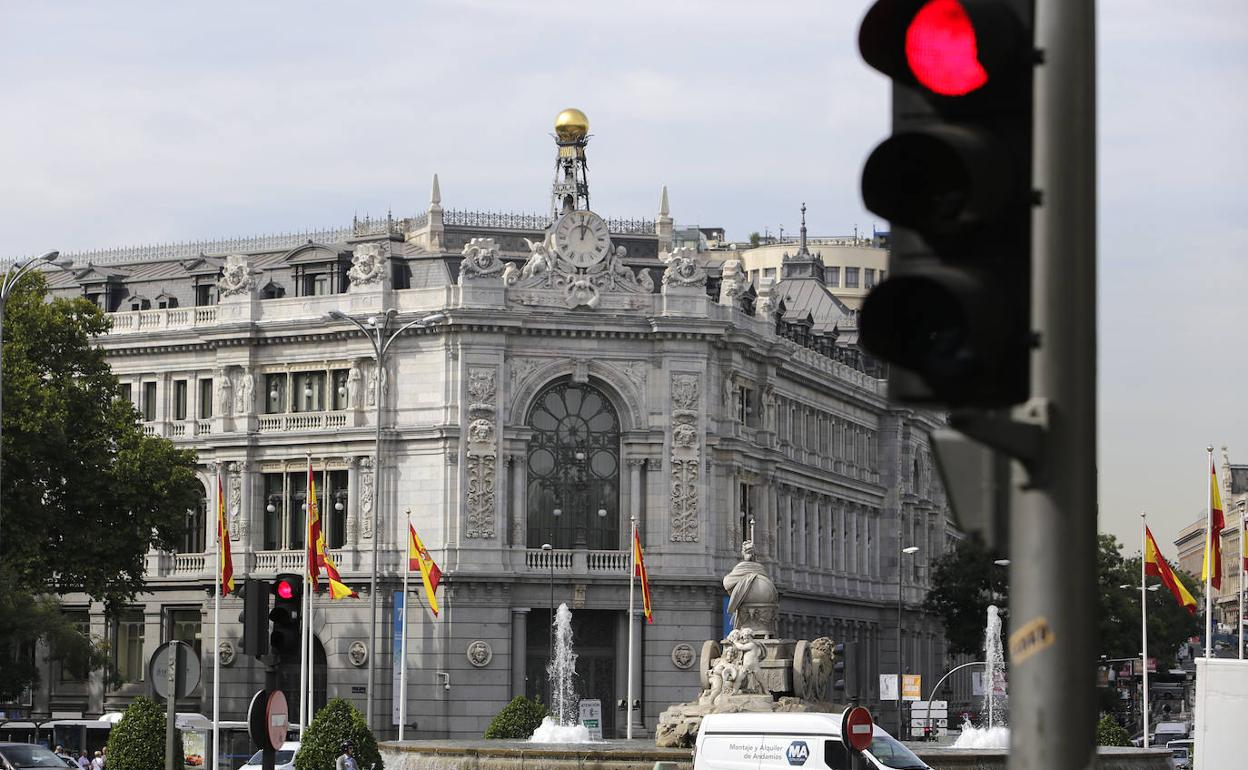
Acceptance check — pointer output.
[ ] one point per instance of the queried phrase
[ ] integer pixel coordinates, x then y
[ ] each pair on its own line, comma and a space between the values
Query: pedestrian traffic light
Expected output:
954, 181
286, 615
255, 617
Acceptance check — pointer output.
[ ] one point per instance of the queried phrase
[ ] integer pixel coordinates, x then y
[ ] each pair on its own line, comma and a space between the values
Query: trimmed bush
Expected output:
518, 719
337, 722
137, 742
1110, 733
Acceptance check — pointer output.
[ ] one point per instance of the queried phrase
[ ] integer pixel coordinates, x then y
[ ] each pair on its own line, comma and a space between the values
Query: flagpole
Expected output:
216, 635
1144, 619
407, 568
307, 591
632, 575
1209, 567
1243, 566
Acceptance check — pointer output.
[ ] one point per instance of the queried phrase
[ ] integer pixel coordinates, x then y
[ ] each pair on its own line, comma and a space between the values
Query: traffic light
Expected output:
954, 181
843, 689
255, 617
286, 615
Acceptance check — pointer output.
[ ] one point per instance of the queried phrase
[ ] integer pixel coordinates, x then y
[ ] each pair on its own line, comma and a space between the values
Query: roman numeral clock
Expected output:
581, 238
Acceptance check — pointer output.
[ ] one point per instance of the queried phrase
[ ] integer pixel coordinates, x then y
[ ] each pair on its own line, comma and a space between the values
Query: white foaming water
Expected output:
982, 738
549, 732
995, 702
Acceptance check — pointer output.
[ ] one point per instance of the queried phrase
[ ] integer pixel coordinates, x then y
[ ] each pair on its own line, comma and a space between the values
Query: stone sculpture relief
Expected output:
366, 497
482, 452
235, 505
353, 387
245, 395
686, 457
480, 653
225, 404
683, 268
368, 264
236, 277
577, 286
683, 656
733, 283
480, 260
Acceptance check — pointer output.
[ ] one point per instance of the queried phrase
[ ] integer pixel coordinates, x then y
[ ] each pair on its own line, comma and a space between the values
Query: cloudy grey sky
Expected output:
140, 122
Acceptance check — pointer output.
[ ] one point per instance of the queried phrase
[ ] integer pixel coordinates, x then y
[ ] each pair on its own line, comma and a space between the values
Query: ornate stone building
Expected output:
583, 372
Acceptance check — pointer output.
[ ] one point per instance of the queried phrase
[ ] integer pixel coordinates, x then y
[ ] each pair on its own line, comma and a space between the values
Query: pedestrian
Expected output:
83, 762
346, 757
98, 762
60, 751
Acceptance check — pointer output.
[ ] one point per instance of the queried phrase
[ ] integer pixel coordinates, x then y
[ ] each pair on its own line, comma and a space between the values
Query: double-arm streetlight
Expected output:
377, 331
909, 550
7, 284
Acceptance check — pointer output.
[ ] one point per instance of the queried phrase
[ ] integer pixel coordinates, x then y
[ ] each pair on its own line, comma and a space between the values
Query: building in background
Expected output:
586, 371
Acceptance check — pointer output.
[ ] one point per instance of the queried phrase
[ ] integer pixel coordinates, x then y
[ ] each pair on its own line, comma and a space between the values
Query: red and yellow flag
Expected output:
1156, 564
639, 570
226, 566
318, 554
418, 558
1211, 569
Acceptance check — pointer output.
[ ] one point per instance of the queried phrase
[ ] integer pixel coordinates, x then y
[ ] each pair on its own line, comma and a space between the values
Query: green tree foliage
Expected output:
85, 494
1169, 624
337, 722
964, 582
1110, 733
755, 239
518, 719
137, 742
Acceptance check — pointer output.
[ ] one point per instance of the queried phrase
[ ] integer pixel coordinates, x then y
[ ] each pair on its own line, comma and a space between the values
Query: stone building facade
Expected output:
556, 398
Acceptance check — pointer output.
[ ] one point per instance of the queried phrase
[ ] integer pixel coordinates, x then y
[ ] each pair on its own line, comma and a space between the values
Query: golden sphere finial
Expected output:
571, 125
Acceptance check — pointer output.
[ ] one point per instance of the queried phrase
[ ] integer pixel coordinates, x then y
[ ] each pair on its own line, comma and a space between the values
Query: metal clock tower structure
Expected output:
570, 191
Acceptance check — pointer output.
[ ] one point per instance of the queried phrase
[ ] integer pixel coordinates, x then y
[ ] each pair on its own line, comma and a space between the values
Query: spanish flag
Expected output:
1156, 564
226, 566
318, 554
1211, 569
418, 558
639, 570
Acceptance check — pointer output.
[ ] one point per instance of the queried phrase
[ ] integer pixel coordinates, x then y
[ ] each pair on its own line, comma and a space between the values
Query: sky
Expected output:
135, 123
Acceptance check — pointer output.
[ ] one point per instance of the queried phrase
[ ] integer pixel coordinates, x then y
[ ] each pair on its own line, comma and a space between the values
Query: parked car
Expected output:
16, 756
285, 759
1181, 753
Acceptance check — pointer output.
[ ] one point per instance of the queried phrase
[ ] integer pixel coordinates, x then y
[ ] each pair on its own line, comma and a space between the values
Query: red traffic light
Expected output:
942, 50
285, 589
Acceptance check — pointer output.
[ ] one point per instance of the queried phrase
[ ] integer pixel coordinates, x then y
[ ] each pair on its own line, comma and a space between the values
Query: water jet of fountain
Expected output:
563, 723
993, 734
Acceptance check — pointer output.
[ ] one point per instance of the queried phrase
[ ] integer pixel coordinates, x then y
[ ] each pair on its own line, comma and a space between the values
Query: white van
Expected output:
786, 741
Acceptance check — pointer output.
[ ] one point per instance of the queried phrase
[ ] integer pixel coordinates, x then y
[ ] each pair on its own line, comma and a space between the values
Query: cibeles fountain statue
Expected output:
752, 669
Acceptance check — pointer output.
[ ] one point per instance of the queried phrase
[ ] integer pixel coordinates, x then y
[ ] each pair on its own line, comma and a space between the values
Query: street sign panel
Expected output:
186, 674
591, 717
888, 687
911, 686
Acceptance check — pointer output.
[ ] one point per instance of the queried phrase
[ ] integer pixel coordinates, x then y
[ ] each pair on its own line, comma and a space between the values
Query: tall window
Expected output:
205, 398
285, 511
81, 622
832, 276
149, 401
308, 391
196, 527
574, 469
127, 393
183, 625
128, 645
851, 278
179, 399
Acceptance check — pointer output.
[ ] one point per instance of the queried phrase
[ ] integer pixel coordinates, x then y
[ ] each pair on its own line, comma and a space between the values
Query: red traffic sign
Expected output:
857, 728
268, 719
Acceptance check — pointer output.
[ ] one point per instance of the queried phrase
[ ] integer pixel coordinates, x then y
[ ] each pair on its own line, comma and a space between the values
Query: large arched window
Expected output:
574, 469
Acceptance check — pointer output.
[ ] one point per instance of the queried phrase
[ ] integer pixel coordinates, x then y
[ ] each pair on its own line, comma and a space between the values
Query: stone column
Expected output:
853, 541
801, 539
519, 651
519, 499
353, 500
782, 524
766, 526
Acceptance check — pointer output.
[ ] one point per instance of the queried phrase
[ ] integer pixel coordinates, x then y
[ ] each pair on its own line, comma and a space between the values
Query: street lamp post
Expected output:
7, 284
901, 655
377, 331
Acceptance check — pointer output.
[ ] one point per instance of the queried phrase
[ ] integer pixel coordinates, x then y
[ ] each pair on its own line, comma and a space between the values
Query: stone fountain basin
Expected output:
642, 754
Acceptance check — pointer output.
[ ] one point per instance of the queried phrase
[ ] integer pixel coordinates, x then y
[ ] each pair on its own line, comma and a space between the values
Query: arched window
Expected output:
574, 469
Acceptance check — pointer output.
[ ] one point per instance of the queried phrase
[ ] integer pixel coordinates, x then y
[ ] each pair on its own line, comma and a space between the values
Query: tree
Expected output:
337, 722
755, 239
1169, 624
85, 493
518, 719
1110, 733
137, 742
964, 582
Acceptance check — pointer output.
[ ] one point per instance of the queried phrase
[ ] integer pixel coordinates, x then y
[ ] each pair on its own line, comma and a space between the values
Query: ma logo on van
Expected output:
797, 753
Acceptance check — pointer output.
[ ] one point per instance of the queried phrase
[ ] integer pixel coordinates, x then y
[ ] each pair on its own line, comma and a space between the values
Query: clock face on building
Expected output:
581, 238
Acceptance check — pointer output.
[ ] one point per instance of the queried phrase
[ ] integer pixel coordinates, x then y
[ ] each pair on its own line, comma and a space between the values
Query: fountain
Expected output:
562, 725
993, 734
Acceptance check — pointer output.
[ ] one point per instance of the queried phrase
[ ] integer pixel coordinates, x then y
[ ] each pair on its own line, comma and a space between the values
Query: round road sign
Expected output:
277, 718
857, 728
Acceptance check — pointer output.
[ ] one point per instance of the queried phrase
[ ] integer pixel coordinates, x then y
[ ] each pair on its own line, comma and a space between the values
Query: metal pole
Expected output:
407, 569
216, 630
632, 573
171, 707
1209, 565
1144, 622
372, 575
901, 655
1053, 525
1243, 565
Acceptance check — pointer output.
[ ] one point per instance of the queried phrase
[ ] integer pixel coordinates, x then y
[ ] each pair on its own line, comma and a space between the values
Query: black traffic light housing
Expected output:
287, 615
844, 687
954, 181
255, 617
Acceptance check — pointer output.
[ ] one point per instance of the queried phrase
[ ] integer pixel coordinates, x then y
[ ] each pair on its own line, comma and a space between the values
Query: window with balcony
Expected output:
127, 646
195, 537
275, 393
180, 393
285, 510
149, 401
127, 392
308, 391
206, 294
205, 398
573, 468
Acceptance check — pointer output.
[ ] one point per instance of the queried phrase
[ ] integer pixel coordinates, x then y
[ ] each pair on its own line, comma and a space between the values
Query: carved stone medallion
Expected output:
357, 653
480, 653
683, 656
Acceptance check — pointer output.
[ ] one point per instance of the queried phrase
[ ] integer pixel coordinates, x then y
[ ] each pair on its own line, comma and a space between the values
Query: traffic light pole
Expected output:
1053, 528
268, 755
